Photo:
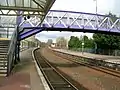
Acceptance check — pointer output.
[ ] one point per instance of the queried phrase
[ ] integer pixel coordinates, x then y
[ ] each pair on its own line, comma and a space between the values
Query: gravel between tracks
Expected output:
89, 78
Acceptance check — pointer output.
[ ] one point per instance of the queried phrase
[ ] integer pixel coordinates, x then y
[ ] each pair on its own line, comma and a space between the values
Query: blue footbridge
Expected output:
70, 21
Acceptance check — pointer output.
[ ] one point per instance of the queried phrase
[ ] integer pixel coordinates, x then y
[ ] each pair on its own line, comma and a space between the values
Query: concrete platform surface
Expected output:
113, 59
24, 75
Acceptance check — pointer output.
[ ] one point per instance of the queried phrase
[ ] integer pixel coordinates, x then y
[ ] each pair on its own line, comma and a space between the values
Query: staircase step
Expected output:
3, 56
2, 65
3, 75
1, 61
3, 71
3, 51
3, 68
4, 43
4, 46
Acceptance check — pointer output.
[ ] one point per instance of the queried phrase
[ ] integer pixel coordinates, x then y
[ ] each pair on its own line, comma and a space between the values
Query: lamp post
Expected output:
83, 43
96, 11
96, 5
82, 47
95, 47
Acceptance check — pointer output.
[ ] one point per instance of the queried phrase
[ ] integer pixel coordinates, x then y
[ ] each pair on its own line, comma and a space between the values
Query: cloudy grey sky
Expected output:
104, 7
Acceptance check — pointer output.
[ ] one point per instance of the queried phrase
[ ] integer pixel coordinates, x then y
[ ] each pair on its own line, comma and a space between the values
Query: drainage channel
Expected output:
55, 80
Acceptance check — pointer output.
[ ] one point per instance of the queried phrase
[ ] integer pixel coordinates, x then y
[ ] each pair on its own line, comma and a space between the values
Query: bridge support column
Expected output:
15, 62
7, 32
18, 51
18, 45
17, 48
19, 18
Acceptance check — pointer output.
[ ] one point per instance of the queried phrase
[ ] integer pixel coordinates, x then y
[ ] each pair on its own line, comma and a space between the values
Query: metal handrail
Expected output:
11, 52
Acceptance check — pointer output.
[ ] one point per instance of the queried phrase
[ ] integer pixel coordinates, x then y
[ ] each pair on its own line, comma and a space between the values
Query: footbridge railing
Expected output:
57, 20
81, 20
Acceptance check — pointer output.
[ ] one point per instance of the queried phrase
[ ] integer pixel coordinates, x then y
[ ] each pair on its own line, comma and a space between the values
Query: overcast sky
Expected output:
104, 7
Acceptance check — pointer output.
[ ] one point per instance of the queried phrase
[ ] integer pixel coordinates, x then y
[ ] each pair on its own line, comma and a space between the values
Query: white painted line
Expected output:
44, 82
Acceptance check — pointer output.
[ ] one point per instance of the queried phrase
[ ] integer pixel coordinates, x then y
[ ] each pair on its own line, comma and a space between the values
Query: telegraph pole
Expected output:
96, 10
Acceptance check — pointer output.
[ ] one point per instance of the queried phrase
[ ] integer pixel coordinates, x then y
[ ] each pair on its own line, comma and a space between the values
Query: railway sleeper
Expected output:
92, 62
47, 69
61, 85
43, 65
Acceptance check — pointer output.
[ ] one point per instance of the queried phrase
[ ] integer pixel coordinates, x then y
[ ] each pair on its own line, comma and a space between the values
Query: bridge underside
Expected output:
72, 30
81, 30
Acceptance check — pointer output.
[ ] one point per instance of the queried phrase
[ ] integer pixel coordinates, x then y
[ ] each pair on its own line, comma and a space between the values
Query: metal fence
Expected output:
99, 51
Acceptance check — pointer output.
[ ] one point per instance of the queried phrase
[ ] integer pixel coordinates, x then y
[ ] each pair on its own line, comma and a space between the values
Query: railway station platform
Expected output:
24, 76
107, 58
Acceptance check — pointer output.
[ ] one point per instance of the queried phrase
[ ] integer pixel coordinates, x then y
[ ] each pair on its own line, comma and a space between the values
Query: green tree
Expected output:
74, 42
88, 43
104, 41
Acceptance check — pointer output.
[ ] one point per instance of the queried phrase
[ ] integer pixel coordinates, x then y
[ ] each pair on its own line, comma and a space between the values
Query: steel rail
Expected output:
90, 65
63, 83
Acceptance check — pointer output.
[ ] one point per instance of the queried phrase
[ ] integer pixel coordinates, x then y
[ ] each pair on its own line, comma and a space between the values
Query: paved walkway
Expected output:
114, 59
24, 77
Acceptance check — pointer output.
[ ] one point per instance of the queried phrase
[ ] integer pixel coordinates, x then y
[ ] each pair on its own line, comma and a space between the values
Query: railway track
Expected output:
54, 78
90, 65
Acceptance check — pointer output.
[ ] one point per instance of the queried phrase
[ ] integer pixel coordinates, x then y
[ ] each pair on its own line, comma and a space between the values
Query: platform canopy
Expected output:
9, 9
24, 7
